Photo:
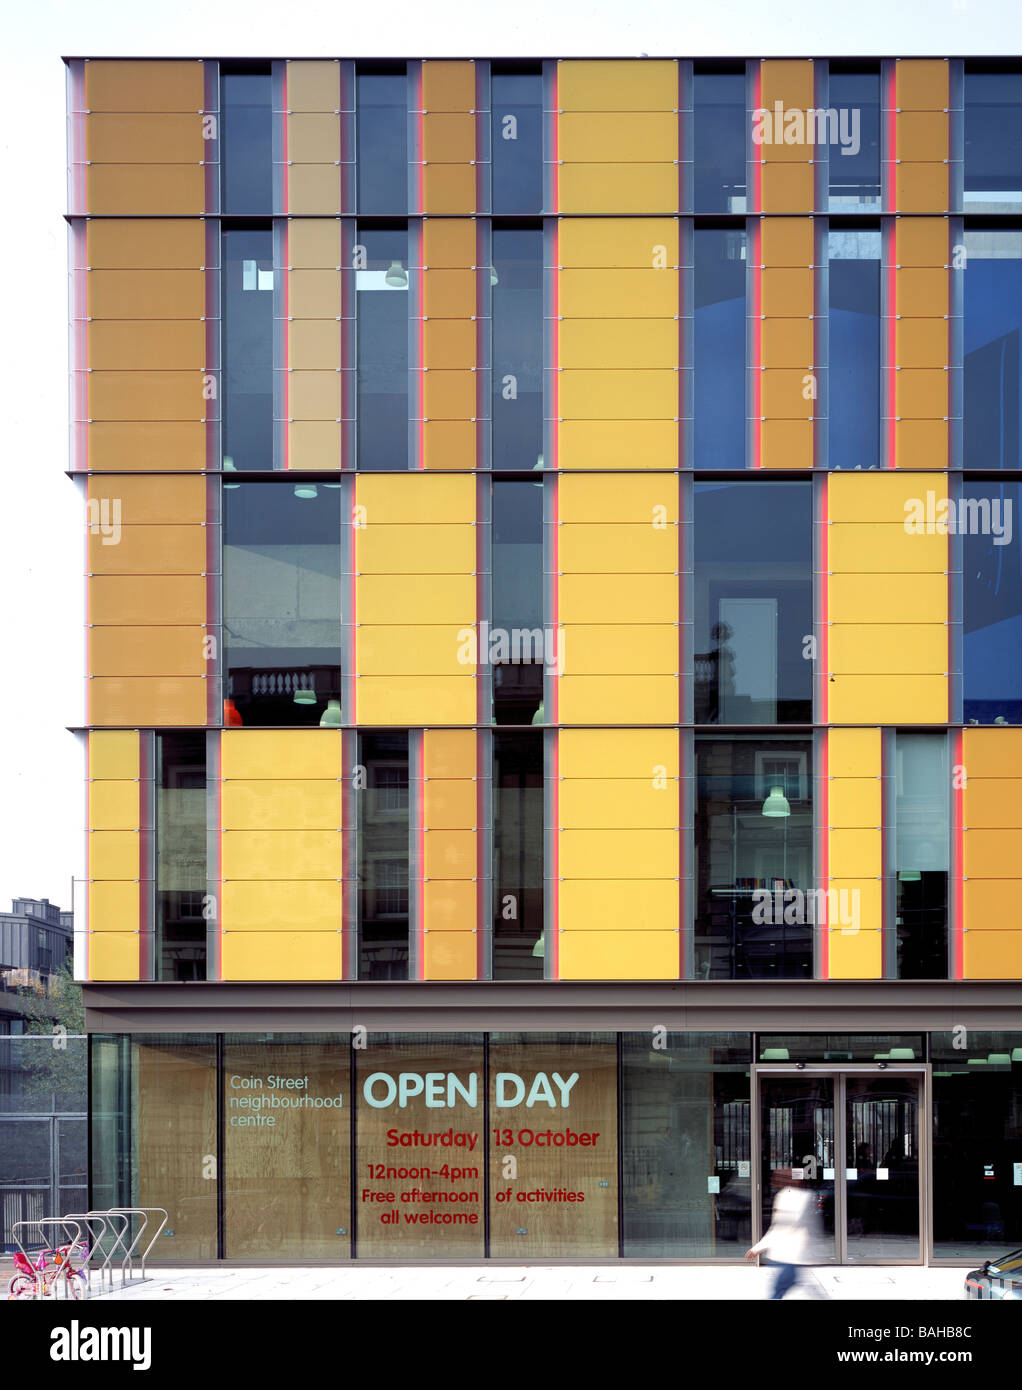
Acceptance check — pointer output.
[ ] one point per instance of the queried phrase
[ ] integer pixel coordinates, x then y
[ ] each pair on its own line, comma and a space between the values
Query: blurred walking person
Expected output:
788, 1244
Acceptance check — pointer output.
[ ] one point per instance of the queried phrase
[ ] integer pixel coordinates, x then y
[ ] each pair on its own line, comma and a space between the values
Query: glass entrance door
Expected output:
853, 1141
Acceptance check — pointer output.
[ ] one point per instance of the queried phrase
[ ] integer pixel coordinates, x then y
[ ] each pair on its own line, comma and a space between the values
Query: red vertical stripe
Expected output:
755, 250
287, 288
420, 793
825, 853
421, 178
892, 275
958, 942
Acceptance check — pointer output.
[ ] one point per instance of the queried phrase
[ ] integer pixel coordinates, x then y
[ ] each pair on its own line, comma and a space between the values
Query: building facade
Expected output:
554, 706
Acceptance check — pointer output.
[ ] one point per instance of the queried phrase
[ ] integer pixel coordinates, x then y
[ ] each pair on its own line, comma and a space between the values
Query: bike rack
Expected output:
38, 1224
109, 1220
96, 1242
129, 1258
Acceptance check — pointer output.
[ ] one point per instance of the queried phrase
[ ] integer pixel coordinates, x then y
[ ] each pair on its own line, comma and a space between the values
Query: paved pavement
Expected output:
612, 1281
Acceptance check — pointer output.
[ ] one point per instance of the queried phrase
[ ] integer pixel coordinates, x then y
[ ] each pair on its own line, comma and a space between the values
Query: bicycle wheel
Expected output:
21, 1286
77, 1284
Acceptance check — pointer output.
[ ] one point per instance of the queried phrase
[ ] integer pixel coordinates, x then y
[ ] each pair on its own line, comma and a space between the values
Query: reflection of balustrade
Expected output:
281, 682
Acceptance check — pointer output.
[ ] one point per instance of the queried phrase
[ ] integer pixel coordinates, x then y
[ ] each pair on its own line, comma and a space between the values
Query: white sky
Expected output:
41, 557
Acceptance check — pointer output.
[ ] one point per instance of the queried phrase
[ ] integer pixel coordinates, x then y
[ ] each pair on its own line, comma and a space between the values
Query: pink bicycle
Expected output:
43, 1278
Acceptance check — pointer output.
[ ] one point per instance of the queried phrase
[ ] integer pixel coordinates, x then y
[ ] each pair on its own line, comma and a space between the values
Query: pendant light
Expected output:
305, 696
306, 490
396, 277
540, 947
776, 803
331, 715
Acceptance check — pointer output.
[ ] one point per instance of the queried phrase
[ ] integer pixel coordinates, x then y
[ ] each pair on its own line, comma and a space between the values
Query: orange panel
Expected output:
449, 188
162, 501
448, 86
145, 189
140, 599
145, 447
142, 138
450, 955
449, 444
138, 244
144, 85
141, 701
448, 243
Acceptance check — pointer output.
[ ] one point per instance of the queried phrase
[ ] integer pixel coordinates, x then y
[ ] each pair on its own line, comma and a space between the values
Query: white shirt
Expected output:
789, 1236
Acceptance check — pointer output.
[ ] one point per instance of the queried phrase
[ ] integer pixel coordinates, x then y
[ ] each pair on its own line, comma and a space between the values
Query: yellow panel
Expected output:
315, 294
921, 241
449, 188
993, 752
991, 904
448, 86
147, 294
147, 701
146, 651
786, 292
921, 393
640, 500
144, 189
854, 802
633, 85
868, 598
450, 854
618, 444
413, 700
113, 955
886, 548
114, 754
623, 188
410, 497
314, 86
993, 803
987, 852
787, 80
314, 343
786, 444
921, 443
852, 905
144, 138
113, 907
617, 598
449, 395
606, 803
853, 752
993, 955
397, 600
921, 293
921, 187
854, 853
449, 955
149, 550
855, 955
611, 699
786, 342
625, 955
631, 753
627, 294
611, 343
628, 649
783, 393
787, 241
450, 343
314, 138
450, 904
449, 138
147, 448
600, 137
915, 699
314, 244
428, 651
618, 395
921, 84
895, 649
281, 854
922, 135
449, 753
136, 243
281, 805
114, 854
143, 85
449, 804
305, 754
632, 243
787, 187
315, 395
620, 853
289, 905
281, 955
449, 444
448, 243
137, 345
618, 904
921, 342
440, 549
877, 496
141, 598
628, 549
114, 805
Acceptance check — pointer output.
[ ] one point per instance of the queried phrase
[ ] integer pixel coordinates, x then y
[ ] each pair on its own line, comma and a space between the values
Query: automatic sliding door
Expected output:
882, 1173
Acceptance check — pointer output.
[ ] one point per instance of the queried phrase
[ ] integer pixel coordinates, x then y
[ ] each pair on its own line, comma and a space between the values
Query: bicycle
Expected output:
36, 1280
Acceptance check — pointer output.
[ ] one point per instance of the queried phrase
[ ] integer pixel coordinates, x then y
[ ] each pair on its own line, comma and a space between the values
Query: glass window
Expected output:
855, 154
686, 1151
282, 602
518, 939
854, 327
553, 1110
180, 856
517, 645
719, 369
246, 143
754, 858
993, 141
381, 284
383, 856
382, 141
516, 139
247, 375
517, 330
753, 602
993, 325
719, 123
992, 604
977, 1143
922, 855
840, 1047
421, 1146
287, 1145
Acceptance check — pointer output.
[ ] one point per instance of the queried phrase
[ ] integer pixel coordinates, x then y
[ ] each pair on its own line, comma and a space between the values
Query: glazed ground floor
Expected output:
534, 1143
